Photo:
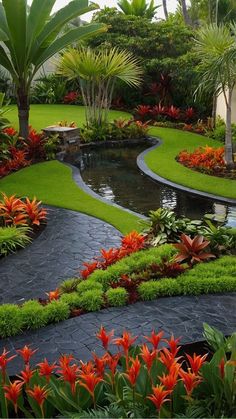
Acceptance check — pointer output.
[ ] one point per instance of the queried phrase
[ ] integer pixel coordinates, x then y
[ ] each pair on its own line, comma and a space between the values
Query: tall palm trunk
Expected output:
185, 13
164, 3
228, 134
23, 111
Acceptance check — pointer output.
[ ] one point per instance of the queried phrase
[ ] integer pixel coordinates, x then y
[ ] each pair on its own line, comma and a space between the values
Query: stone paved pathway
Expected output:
183, 316
69, 239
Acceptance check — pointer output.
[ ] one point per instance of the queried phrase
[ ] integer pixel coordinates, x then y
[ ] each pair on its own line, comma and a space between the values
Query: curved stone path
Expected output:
69, 239
183, 316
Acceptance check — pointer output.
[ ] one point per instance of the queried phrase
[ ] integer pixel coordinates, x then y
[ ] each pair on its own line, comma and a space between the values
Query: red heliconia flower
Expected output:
12, 392
87, 367
173, 344
159, 396
196, 362
39, 394
26, 374
190, 380
70, 374
168, 359
4, 360
99, 364
89, 381
45, 369
222, 368
148, 356
112, 362
26, 353
65, 360
170, 380
134, 370
154, 339
90, 268
125, 341
53, 295
105, 337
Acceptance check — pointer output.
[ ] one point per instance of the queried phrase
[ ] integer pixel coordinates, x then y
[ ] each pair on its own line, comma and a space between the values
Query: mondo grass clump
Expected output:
117, 297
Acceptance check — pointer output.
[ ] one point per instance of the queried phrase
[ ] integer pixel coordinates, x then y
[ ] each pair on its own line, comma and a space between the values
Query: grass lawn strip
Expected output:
51, 182
162, 162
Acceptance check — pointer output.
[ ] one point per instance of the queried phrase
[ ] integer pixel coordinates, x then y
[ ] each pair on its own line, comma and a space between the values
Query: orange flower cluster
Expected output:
161, 368
14, 211
203, 158
131, 243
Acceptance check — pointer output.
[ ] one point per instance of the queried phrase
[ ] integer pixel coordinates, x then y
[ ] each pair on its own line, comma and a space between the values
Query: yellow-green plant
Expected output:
97, 73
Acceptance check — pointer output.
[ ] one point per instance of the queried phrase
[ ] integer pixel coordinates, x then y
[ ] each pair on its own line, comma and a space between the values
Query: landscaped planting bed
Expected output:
163, 261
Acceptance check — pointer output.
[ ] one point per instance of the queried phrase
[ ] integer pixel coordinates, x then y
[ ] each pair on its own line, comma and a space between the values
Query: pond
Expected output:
113, 174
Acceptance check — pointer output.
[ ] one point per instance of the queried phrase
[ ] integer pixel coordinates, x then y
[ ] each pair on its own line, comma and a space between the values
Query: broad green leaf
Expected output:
6, 63
70, 37
16, 16
39, 14
52, 29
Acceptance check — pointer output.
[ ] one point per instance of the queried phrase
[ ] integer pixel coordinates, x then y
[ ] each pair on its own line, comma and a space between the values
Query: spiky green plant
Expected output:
138, 8
12, 237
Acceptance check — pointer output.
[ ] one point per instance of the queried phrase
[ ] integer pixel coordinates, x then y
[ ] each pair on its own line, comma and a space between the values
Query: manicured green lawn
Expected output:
162, 162
52, 183
42, 116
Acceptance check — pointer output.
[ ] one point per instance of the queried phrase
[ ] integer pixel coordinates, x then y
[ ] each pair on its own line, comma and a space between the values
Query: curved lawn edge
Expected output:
52, 183
161, 165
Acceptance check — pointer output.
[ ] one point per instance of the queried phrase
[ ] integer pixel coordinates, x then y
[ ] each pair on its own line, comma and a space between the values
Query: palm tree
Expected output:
185, 12
30, 36
164, 4
216, 48
138, 8
97, 73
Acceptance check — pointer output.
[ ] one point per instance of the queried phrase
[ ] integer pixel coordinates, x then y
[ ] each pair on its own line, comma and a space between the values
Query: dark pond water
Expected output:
113, 174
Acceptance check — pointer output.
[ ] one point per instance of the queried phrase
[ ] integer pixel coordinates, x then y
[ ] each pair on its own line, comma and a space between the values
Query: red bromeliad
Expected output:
126, 341
133, 371
89, 382
39, 394
190, 380
46, 370
105, 337
26, 353
53, 295
26, 374
192, 250
196, 362
159, 396
4, 361
155, 338
33, 211
70, 374
12, 392
148, 356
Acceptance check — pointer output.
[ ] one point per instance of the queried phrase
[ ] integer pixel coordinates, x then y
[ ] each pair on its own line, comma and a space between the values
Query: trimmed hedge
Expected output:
117, 297
213, 277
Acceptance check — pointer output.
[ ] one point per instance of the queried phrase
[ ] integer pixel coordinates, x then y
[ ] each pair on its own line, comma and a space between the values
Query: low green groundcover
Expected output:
100, 291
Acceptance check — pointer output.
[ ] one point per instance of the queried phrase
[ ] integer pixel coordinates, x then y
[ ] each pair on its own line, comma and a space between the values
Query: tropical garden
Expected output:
117, 182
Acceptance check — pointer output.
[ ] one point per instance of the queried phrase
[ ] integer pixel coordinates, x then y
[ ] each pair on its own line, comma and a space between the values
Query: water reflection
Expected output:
113, 174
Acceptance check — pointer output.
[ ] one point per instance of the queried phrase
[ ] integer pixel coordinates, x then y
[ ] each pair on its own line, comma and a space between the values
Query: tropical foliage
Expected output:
138, 8
98, 73
37, 36
206, 159
145, 380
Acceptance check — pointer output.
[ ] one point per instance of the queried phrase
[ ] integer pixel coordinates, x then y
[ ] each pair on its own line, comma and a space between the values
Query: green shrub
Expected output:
88, 285
56, 311
33, 315
69, 285
10, 320
164, 287
12, 237
72, 299
117, 297
136, 262
91, 300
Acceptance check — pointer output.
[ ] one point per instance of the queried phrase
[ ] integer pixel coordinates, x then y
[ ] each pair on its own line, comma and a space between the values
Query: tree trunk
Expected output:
164, 2
214, 109
23, 112
186, 16
228, 134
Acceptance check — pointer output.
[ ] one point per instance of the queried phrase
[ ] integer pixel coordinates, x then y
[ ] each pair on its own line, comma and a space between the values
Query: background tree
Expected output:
212, 11
138, 8
164, 4
97, 73
186, 16
216, 47
30, 36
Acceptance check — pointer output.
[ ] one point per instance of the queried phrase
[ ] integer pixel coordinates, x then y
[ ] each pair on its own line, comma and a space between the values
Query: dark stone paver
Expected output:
183, 316
69, 239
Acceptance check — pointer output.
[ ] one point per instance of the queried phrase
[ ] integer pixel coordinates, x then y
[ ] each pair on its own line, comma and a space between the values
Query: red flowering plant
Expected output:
71, 98
154, 379
205, 159
18, 212
132, 242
